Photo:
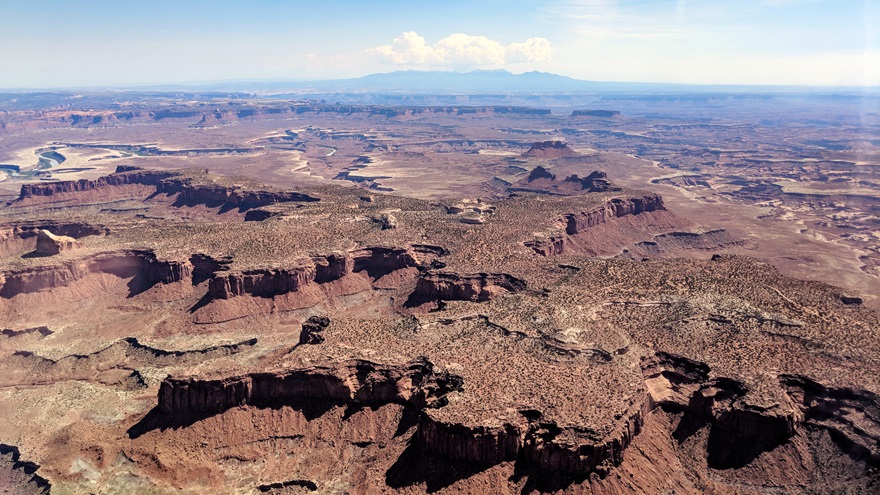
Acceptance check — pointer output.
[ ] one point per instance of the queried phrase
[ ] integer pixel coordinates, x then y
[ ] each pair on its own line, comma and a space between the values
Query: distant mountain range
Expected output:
435, 82
417, 82
448, 84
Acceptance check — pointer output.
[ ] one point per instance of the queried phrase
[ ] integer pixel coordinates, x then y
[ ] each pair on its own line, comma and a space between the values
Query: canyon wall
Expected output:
577, 223
351, 382
433, 286
169, 182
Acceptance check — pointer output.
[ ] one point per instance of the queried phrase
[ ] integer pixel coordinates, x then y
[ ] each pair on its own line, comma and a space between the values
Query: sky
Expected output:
100, 43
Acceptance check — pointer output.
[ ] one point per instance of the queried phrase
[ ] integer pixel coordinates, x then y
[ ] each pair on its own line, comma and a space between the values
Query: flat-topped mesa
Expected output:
122, 176
274, 282
376, 262
615, 208
187, 185
49, 244
550, 150
477, 287
351, 382
596, 113
577, 223
542, 181
215, 195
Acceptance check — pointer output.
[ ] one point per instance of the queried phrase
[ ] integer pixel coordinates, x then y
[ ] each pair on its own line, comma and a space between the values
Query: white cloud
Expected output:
461, 50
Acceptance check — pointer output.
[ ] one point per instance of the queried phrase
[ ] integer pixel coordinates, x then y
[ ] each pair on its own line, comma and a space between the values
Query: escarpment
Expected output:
574, 450
582, 222
739, 428
123, 176
540, 445
212, 195
140, 265
852, 416
30, 229
116, 364
190, 187
616, 208
375, 262
354, 382
16, 237
483, 445
435, 286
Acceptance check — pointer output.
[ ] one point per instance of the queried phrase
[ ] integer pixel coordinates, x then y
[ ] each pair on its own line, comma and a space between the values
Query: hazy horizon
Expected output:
51, 44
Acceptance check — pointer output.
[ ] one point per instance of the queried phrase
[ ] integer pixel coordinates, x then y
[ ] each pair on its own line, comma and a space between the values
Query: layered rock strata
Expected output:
124, 264
169, 182
476, 287
123, 176
577, 223
353, 382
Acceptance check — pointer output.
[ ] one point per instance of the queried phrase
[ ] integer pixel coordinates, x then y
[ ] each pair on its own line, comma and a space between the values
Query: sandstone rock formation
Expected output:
49, 244
357, 382
550, 150
578, 223
312, 349
540, 180
311, 330
465, 287
190, 187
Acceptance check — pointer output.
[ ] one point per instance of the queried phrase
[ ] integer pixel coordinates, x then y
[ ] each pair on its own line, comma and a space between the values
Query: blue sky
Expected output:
53, 43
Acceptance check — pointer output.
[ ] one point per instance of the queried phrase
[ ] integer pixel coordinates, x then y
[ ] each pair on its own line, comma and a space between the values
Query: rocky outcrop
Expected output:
124, 264
477, 287
376, 262
739, 429
312, 329
380, 261
549, 246
123, 176
49, 244
18, 475
550, 150
352, 382
577, 223
189, 192
851, 416
541, 181
259, 215
615, 208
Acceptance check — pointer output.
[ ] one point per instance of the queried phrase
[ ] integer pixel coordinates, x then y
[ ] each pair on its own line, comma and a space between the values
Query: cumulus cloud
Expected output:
457, 50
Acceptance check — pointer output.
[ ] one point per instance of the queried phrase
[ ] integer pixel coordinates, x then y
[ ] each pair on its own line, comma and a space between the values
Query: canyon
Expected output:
245, 295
